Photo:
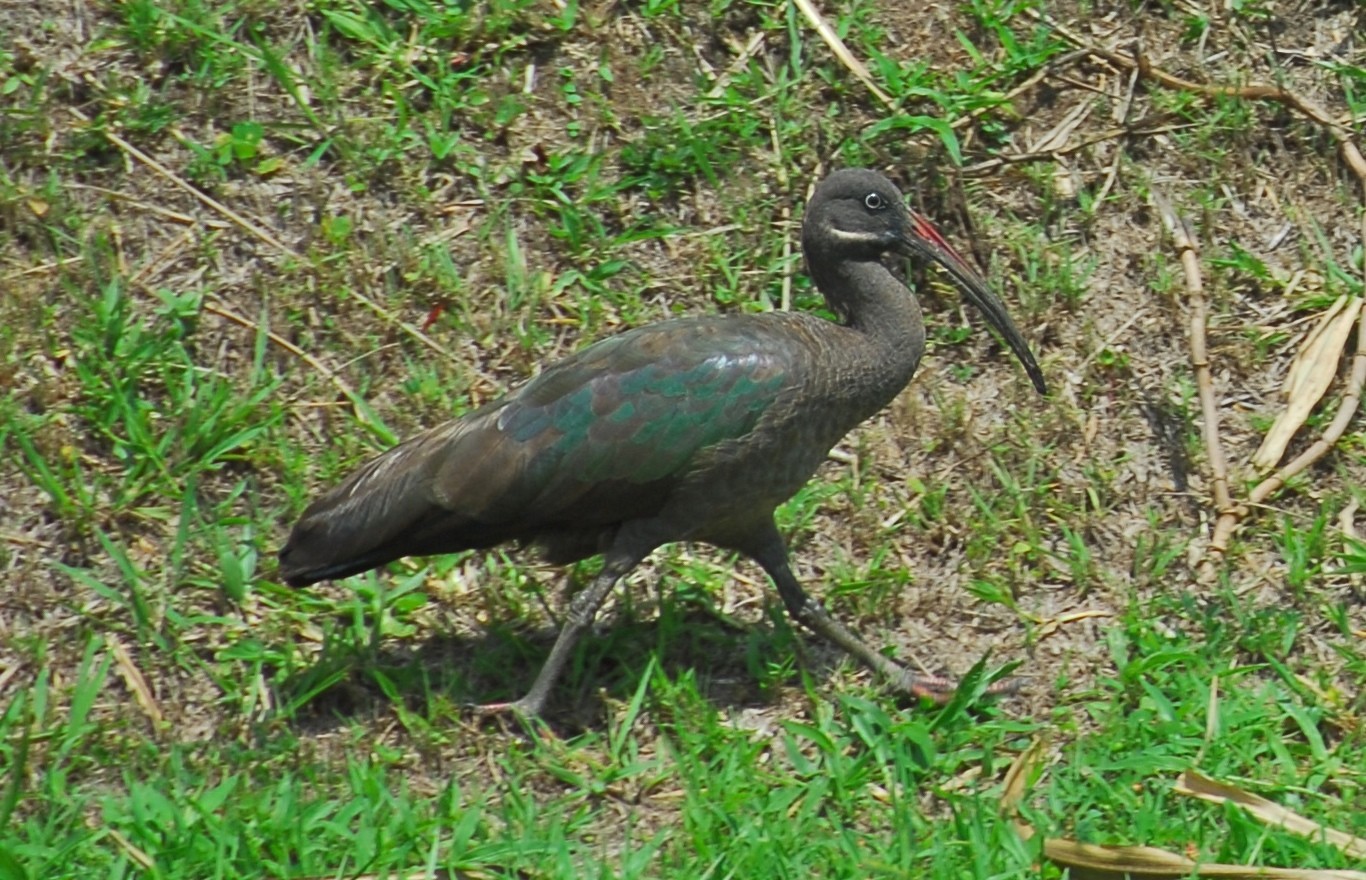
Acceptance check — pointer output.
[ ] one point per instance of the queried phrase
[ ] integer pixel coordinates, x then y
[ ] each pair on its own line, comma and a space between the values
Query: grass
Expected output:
843, 791
458, 193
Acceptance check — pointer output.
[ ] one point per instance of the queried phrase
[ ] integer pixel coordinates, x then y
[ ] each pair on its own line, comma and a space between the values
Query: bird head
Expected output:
859, 215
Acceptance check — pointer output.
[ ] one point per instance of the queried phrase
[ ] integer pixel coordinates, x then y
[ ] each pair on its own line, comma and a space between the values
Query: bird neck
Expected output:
871, 300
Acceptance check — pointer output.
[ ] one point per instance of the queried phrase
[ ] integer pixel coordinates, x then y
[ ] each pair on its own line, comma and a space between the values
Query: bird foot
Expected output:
516, 708
510, 715
525, 711
940, 690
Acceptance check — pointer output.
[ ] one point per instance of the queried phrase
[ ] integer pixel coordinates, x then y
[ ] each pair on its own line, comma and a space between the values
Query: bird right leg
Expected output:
582, 609
770, 551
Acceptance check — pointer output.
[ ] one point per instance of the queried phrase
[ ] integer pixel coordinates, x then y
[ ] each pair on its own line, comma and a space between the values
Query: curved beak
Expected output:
921, 239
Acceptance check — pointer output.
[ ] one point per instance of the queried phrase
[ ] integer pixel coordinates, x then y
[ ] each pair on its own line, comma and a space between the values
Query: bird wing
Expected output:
604, 434
601, 437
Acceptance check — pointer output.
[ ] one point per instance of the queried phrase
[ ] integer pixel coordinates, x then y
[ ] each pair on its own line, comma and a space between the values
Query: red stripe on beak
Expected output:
925, 231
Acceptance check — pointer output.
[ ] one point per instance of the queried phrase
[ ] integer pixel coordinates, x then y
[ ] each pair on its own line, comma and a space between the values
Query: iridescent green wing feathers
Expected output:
600, 438
631, 411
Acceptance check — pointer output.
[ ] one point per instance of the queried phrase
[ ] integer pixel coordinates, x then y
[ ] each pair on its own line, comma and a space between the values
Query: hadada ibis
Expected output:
693, 429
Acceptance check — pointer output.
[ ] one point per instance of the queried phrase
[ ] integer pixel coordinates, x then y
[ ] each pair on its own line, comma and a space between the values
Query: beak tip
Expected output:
1036, 376
926, 242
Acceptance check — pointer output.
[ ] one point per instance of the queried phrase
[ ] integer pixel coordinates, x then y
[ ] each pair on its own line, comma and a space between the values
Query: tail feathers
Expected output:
331, 543
300, 573
382, 512
462, 486
327, 547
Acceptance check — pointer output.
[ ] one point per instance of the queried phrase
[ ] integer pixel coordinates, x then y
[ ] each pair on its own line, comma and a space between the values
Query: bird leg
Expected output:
582, 609
771, 553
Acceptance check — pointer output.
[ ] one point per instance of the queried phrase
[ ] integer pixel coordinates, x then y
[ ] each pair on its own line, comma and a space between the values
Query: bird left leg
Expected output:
770, 552
582, 609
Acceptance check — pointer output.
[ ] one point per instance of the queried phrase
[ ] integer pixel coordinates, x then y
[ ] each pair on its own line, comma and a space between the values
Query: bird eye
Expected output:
874, 202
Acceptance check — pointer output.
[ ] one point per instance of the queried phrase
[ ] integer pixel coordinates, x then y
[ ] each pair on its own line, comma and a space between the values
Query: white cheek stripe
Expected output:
853, 237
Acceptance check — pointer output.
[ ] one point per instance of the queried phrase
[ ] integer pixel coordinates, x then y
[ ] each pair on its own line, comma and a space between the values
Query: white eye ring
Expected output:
874, 202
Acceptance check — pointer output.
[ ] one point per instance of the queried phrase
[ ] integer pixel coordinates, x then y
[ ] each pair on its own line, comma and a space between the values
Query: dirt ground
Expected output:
1058, 188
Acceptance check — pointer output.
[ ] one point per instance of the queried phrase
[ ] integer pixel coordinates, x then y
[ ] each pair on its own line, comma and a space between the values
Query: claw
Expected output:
515, 708
940, 690
513, 713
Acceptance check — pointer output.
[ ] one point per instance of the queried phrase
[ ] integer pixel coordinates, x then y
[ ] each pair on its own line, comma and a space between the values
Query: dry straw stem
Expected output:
254, 228
358, 406
448, 873
135, 853
136, 681
1252, 92
1351, 399
858, 69
1199, 318
847, 58
143, 278
1088, 861
1230, 514
1310, 374
1053, 155
259, 232
1192, 784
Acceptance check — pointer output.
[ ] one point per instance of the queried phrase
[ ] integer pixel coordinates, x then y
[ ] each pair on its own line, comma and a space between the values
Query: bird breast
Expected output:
847, 379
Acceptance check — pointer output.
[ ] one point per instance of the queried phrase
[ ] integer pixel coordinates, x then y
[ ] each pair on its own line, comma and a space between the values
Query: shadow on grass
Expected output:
443, 677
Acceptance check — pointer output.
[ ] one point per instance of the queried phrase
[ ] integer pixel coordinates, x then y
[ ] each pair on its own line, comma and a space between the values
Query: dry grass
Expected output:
354, 237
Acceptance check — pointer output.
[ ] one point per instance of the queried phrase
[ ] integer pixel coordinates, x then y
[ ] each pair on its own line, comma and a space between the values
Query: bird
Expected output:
690, 429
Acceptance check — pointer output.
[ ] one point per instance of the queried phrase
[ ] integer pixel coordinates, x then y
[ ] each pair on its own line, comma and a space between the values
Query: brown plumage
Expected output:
691, 429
